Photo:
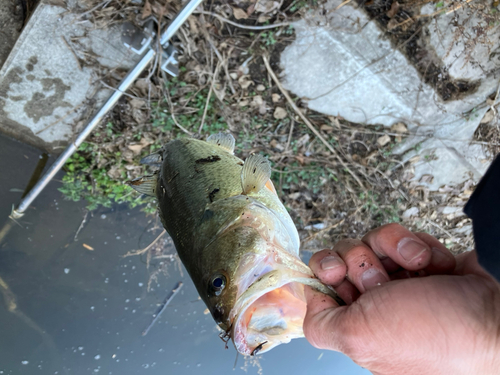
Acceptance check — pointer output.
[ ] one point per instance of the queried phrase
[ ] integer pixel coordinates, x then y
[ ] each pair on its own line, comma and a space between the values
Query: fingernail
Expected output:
372, 278
410, 249
330, 262
438, 257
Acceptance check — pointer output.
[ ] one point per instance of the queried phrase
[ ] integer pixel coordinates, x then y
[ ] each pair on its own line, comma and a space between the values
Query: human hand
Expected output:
396, 320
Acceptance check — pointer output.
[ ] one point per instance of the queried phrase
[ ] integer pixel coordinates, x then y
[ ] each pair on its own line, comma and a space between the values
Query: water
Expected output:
81, 311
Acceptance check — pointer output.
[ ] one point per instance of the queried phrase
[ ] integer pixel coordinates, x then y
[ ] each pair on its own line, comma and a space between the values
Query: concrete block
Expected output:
342, 64
51, 79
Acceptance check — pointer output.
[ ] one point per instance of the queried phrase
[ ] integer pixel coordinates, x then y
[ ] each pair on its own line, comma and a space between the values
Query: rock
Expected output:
280, 113
382, 141
330, 65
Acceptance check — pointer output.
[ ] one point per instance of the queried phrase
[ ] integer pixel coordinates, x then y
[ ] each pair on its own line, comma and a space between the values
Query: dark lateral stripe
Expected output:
210, 159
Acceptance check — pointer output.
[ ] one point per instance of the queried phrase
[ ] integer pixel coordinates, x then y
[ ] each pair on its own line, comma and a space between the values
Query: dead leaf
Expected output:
146, 10
239, 14
88, 247
136, 103
280, 113
399, 127
487, 117
245, 82
260, 88
394, 9
382, 141
326, 128
276, 98
140, 116
136, 149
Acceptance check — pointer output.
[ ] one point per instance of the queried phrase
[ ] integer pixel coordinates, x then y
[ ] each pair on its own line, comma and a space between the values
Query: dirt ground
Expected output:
340, 182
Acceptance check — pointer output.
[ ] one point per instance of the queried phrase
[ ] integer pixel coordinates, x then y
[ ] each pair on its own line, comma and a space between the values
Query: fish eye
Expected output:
217, 284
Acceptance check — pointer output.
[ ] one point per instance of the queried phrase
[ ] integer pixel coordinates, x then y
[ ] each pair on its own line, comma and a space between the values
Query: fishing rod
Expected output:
146, 59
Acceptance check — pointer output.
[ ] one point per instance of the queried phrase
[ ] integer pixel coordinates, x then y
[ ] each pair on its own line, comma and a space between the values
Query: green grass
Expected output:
86, 180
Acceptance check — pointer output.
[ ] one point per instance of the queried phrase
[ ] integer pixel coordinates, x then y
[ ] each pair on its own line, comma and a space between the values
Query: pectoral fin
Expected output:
255, 173
224, 140
145, 185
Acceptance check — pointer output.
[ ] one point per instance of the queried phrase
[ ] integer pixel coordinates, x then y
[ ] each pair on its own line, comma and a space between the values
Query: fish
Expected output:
235, 237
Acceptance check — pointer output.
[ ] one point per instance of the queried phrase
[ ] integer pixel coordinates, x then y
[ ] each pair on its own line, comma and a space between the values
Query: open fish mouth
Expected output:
271, 311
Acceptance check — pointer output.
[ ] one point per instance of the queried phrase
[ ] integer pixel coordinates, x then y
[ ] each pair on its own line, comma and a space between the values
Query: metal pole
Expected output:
124, 85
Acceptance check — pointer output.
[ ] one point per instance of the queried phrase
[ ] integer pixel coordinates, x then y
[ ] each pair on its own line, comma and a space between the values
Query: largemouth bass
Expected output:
235, 238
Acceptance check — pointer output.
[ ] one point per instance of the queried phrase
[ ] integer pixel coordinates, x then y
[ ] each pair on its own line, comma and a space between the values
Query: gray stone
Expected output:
50, 81
342, 64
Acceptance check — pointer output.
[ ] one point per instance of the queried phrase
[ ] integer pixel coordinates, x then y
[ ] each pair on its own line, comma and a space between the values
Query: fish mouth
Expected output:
272, 310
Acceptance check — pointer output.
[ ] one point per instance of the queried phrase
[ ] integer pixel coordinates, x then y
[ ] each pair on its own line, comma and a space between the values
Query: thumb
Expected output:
324, 320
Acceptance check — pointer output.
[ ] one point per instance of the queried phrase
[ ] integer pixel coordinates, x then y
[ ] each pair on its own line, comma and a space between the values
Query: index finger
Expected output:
399, 244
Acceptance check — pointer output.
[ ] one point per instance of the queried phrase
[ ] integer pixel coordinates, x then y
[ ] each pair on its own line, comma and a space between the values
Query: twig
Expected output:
289, 135
72, 52
216, 73
308, 123
223, 19
169, 299
139, 252
221, 59
342, 4
81, 225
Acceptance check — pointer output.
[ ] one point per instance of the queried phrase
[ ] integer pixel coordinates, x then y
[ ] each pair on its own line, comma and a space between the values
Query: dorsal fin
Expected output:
145, 184
224, 140
255, 173
153, 160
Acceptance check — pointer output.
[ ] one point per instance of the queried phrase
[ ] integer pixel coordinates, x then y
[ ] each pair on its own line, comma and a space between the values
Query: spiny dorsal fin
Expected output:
145, 184
153, 160
224, 140
255, 173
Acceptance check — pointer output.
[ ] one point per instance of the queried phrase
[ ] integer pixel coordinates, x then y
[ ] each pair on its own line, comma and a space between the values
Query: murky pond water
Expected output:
66, 309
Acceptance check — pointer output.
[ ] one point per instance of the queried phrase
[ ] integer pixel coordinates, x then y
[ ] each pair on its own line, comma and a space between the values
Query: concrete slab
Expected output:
51, 78
342, 64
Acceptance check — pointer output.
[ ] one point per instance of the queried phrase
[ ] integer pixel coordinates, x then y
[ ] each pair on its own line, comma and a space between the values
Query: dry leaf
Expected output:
239, 14
280, 113
136, 103
394, 9
260, 88
487, 117
276, 98
326, 128
88, 247
382, 141
244, 82
399, 128
146, 11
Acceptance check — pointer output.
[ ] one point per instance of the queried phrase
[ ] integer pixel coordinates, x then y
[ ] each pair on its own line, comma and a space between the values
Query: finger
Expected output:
405, 274
364, 269
347, 291
319, 320
400, 245
328, 266
390, 265
442, 261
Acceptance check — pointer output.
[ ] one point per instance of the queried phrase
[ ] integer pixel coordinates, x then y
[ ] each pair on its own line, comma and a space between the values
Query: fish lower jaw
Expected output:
274, 318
